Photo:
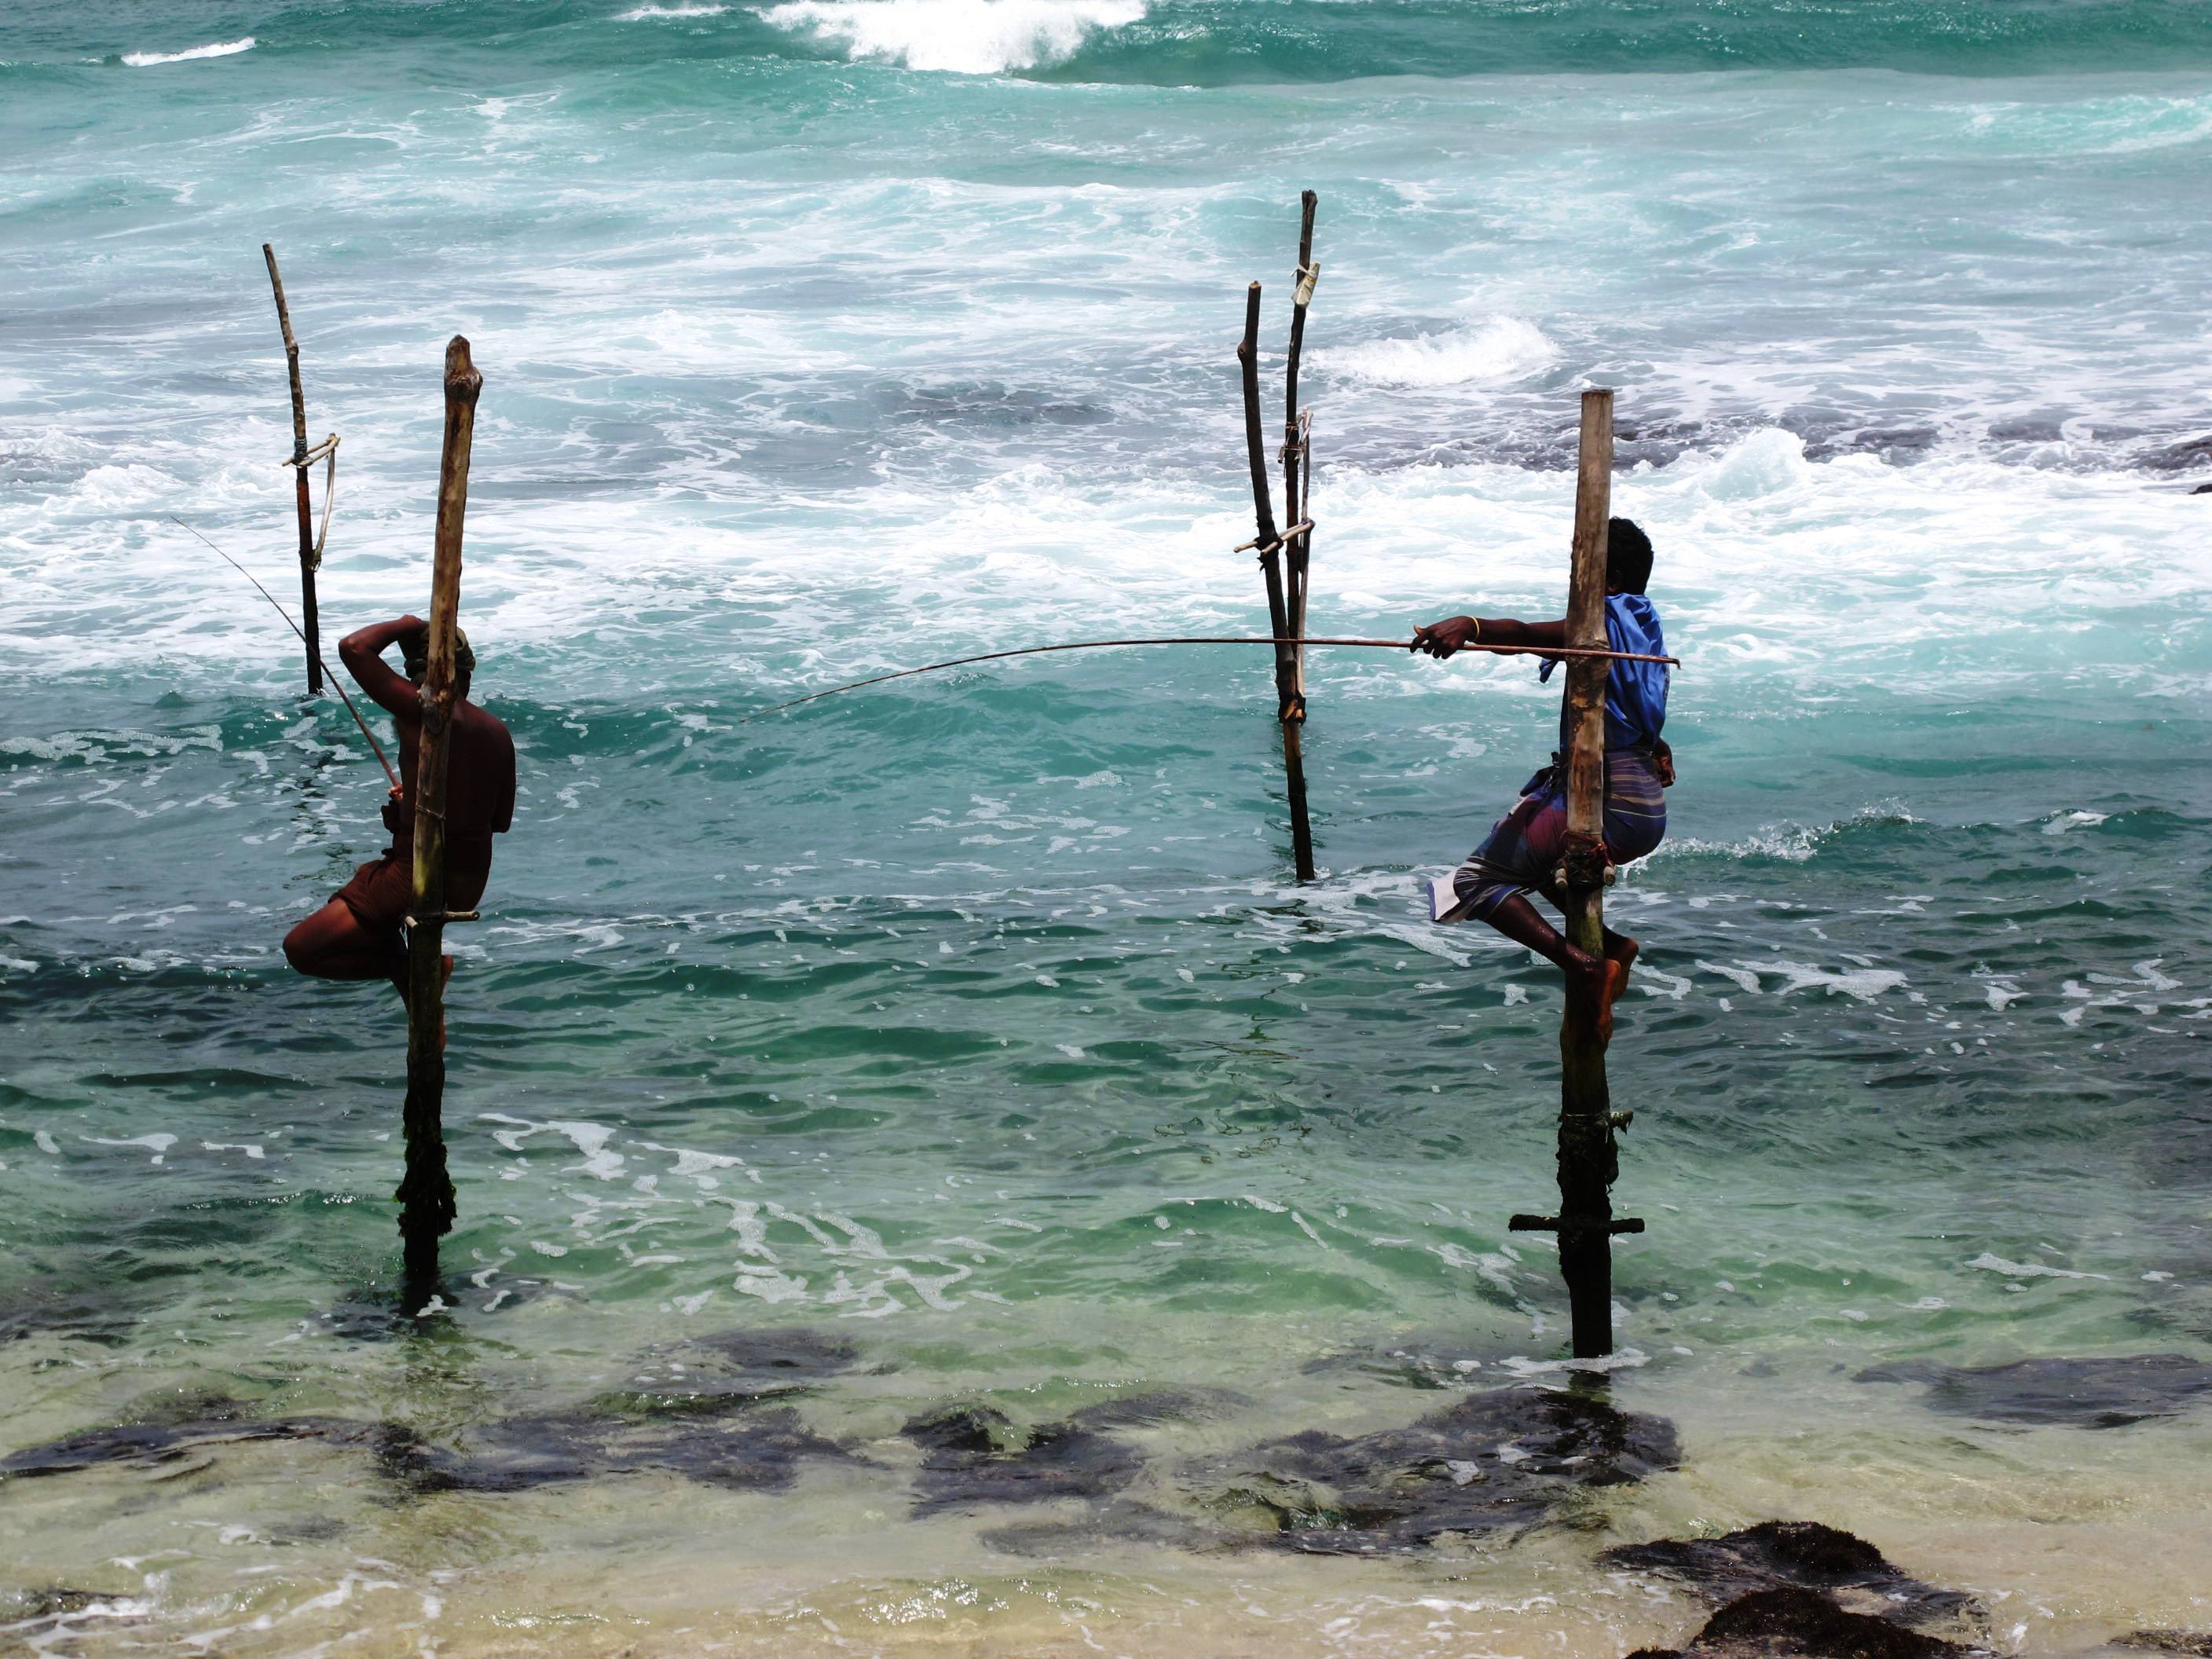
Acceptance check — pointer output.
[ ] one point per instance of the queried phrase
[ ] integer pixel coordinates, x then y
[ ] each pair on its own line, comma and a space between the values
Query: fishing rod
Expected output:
1558, 651
295, 626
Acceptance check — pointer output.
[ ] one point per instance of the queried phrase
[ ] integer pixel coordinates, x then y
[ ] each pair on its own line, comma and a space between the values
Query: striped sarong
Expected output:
1522, 851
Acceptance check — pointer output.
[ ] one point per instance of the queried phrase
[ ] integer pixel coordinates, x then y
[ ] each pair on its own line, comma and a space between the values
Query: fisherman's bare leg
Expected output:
332, 944
1596, 983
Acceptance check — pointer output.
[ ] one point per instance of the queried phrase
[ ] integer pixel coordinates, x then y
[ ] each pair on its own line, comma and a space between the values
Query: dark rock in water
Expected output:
1489, 1461
975, 1456
2202, 490
759, 1449
78, 1314
2176, 458
150, 1445
2195, 1642
2090, 1394
762, 1452
789, 1353
704, 1400
1802, 1624
1803, 1553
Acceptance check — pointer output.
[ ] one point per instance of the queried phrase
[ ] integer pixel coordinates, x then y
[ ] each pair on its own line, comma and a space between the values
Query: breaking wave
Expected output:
220, 49
962, 37
1501, 349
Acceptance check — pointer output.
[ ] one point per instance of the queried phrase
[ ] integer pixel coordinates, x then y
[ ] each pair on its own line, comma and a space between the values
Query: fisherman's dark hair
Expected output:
1627, 557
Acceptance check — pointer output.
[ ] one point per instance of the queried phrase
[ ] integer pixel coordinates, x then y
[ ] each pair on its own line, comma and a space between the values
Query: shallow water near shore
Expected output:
964, 1046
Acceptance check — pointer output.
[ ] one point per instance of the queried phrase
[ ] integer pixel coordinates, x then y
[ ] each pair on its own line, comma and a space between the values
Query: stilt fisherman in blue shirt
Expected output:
1524, 848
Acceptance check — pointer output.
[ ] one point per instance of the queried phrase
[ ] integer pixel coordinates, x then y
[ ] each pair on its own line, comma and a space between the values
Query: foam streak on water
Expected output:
973, 1029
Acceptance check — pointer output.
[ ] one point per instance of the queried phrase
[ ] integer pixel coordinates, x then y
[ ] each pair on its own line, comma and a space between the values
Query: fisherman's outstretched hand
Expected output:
1443, 639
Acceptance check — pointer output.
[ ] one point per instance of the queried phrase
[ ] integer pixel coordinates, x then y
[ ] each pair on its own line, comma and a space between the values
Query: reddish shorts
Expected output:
382, 891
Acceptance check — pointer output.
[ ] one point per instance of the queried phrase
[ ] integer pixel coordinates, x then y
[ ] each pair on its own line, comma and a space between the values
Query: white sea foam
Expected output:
220, 49
1989, 1262
1501, 349
642, 13
964, 37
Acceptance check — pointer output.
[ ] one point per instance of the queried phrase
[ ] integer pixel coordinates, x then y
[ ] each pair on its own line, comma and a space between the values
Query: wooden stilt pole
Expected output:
1588, 1161
310, 623
1288, 708
426, 1193
1588, 1154
1297, 464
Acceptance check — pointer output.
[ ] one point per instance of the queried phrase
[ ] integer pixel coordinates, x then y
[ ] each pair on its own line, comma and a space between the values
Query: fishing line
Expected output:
295, 626
1560, 651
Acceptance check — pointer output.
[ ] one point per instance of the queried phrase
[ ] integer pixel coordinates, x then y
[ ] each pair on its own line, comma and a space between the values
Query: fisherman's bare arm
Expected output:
363, 653
1443, 639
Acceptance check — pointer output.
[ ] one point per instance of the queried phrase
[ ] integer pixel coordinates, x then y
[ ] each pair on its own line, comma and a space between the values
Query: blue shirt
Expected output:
1635, 692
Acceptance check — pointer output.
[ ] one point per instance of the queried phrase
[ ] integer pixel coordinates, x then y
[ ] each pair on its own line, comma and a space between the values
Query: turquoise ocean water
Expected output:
969, 1038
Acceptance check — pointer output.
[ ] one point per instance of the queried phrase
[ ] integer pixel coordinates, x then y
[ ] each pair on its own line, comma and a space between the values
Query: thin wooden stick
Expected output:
311, 630
1298, 469
426, 1193
1588, 1158
1288, 709
1188, 639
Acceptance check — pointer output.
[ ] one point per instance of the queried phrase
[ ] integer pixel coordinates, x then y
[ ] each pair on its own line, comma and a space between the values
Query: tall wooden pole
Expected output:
310, 623
1588, 1162
1288, 708
426, 1193
1588, 1154
1298, 465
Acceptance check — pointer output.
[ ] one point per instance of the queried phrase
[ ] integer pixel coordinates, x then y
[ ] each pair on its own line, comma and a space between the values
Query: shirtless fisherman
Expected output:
1524, 847
357, 935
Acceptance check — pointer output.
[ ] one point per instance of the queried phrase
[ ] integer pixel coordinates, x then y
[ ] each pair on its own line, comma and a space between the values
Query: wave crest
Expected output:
962, 37
1504, 349
220, 49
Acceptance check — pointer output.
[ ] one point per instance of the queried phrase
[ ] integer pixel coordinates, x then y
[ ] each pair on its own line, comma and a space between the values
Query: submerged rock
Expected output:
2106, 1393
760, 1451
974, 1455
72, 1312
1805, 1554
740, 1446
1793, 1623
150, 1445
1489, 1461
2194, 1642
785, 1354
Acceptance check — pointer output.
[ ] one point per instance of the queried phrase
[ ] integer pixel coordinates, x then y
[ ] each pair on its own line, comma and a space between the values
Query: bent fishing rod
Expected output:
295, 626
1562, 652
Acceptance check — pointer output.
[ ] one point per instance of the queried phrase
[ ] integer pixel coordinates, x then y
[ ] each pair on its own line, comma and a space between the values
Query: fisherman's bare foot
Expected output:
1622, 951
1616, 981
1594, 988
